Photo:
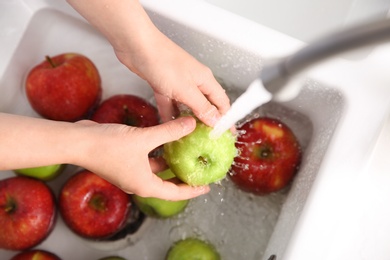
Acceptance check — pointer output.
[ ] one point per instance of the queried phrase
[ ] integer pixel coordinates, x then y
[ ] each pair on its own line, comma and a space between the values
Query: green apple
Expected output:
197, 159
112, 258
192, 248
160, 208
44, 173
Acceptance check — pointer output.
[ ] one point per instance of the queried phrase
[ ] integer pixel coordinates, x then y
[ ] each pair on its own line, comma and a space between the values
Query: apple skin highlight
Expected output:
197, 159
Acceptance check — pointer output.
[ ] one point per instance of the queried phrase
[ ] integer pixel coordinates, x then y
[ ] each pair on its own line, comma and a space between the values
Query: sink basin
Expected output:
307, 19
340, 118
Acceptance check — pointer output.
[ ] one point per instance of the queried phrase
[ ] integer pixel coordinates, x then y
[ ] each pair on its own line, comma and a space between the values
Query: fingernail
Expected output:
210, 117
187, 123
215, 118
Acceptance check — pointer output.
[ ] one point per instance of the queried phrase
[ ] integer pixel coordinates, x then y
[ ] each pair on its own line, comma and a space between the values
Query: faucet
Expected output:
275, 76
273, 79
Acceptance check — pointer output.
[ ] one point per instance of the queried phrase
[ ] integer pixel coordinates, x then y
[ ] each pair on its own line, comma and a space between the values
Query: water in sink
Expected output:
237, 223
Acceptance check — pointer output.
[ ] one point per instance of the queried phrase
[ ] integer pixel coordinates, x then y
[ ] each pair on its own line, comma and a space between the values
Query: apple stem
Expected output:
10, 206
98, 202
48, 59
128, 119
202, 160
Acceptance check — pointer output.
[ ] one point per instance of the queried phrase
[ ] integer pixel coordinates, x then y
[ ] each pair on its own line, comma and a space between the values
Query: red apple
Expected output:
66, 87
36, 254
27, 212
126, 109
92, 207
269, 156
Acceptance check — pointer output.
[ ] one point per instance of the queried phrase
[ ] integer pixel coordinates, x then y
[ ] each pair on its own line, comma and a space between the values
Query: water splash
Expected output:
255, 96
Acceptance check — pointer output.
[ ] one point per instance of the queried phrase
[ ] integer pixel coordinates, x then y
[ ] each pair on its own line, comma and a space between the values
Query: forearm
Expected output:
123, 22
30, 142
172, 72
116, 152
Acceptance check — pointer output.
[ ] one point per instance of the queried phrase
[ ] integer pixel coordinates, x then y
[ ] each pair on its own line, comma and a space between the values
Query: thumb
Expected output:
170, 131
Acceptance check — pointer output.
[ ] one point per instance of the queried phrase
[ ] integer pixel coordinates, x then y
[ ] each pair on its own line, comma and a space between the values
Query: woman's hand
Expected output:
119, 154
176, 75
171, 71
116, 152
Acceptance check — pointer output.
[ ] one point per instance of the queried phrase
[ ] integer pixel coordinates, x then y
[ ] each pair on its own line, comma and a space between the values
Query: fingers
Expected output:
204, 110
157, 164
215, 94
165, 107
174, 189
167, 190
200, 106
207, 100
169, 131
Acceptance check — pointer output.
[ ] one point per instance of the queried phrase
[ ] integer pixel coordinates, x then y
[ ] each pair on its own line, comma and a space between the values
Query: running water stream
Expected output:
255, 96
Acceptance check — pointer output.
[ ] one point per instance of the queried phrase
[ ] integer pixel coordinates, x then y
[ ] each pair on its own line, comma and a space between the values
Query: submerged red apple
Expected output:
269, 156
92, 207
66, 87
27, 212
126, 109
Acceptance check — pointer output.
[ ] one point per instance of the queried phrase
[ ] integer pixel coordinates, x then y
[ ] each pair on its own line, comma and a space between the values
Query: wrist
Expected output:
31, 142
80, 143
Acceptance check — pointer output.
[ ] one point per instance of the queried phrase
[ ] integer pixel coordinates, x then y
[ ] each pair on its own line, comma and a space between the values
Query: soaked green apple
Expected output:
197, 159
44, 173
112, 258
192, 248
160, 208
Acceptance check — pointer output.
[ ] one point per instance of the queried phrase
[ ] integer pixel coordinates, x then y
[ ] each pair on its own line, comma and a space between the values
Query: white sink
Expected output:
307, 19
335, 208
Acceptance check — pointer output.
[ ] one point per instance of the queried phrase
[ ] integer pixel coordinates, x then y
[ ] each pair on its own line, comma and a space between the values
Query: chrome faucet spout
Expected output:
275, 75
272, 83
